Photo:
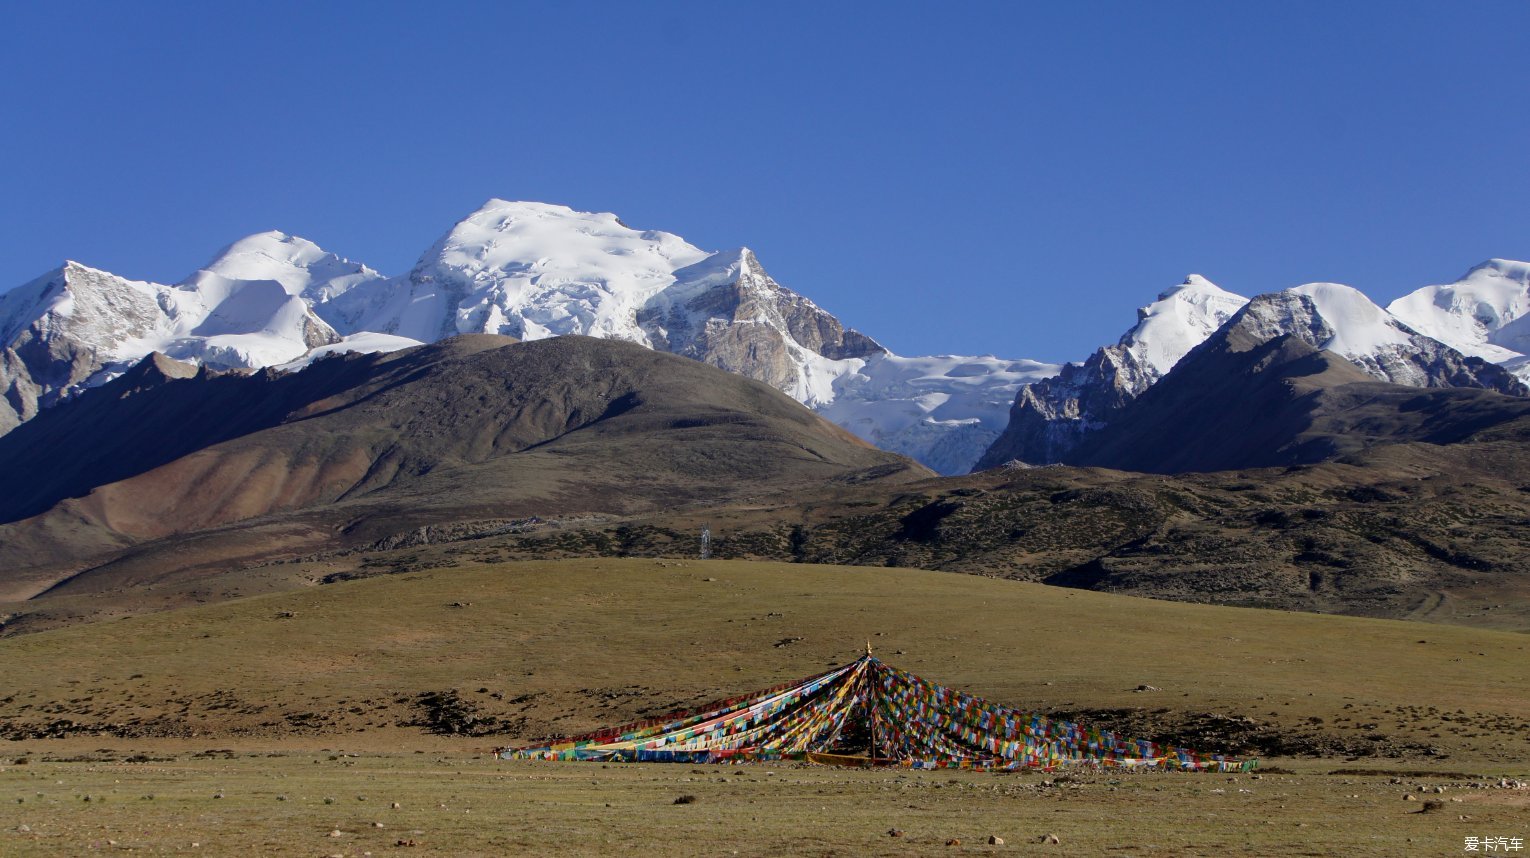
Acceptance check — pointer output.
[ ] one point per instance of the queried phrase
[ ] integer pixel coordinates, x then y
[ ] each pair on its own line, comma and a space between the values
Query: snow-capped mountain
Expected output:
533, 270
1485, 314
1341, 319
529, 270
1050, 417
77, 326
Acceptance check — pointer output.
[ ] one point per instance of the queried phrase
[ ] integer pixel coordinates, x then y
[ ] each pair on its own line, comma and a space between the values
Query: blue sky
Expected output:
1009, 178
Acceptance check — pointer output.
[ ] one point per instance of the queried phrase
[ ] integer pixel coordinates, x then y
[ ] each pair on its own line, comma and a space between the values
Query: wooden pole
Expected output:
871, 702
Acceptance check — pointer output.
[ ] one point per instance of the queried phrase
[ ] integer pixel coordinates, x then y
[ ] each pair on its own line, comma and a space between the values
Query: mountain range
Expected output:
527, 270
533, 270
1050, 419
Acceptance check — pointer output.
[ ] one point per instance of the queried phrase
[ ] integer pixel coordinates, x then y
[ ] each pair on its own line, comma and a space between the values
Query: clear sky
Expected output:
1010, 178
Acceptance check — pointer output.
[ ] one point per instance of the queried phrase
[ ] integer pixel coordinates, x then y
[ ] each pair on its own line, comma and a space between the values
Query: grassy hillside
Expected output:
523, 650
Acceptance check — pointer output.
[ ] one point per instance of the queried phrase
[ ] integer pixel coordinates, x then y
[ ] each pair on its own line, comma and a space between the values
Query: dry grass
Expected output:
549, 647
462, 805
571, 645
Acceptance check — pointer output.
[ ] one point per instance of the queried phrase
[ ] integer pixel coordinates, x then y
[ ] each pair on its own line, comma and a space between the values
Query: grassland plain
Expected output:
396, 689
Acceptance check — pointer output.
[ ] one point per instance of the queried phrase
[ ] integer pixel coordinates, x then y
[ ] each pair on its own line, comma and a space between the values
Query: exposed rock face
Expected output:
727, 312
18, 394
1051, 417
63, 328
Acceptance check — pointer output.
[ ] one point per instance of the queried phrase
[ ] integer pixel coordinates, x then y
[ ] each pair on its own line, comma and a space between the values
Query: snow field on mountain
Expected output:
1360, 327
906, 404
1482, 314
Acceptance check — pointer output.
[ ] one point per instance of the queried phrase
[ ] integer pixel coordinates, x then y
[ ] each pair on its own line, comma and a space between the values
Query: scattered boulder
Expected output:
1049, 838
686, 799
995, 840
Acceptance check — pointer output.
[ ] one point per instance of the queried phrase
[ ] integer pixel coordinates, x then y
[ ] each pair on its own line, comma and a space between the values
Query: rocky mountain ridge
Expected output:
1053, 418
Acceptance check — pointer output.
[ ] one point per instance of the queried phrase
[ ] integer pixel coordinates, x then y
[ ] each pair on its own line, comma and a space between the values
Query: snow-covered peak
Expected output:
1511, 269
552, 245
1193, 283
1359, 327
719, 269
1181, 319
1342, 320
79, 326
81, 302
1483, 314
299, 265
534, 270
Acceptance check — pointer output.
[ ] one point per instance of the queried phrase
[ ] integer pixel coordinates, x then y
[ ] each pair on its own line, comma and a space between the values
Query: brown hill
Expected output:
359, 447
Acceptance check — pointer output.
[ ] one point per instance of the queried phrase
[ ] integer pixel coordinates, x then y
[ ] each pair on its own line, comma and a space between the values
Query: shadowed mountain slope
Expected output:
482, 423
